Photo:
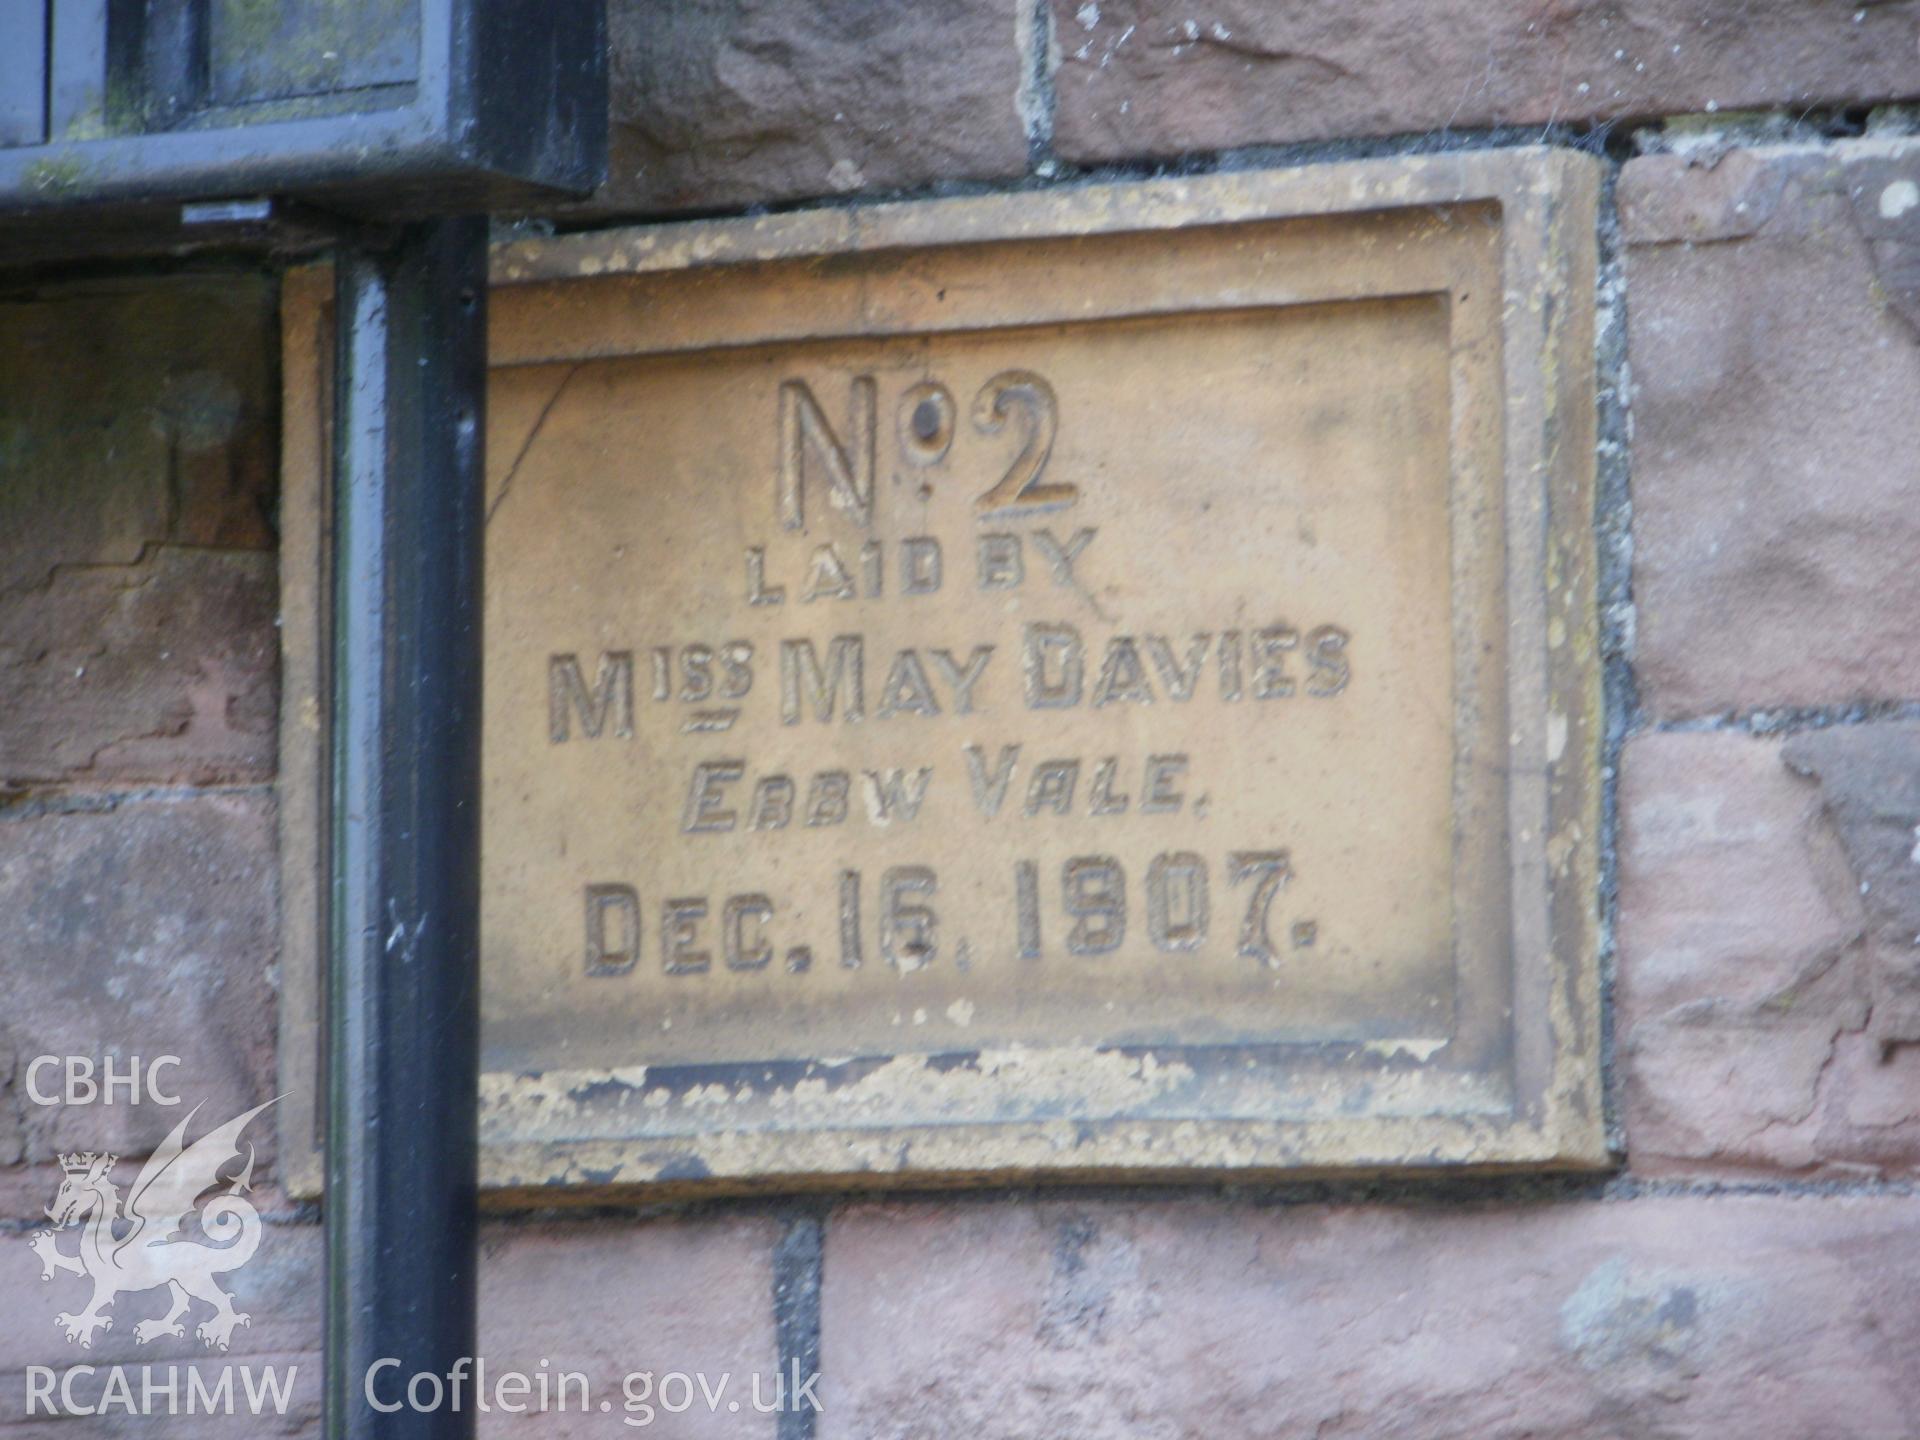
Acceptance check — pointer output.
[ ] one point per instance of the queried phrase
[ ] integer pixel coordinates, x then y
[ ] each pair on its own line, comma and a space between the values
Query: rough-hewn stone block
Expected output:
1766, 1318
135, 413
1745, 988
1869, 778
1776, 451
1142, 77
137, 474
146, 928
279, 1290
692, 1297
160, 671
605, 1299
730, 102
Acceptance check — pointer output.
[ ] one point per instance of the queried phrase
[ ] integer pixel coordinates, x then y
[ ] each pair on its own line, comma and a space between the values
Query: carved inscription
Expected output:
939, 687
1086, 906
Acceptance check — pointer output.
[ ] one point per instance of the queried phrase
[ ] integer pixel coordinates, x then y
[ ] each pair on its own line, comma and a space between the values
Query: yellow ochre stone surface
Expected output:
1099, 682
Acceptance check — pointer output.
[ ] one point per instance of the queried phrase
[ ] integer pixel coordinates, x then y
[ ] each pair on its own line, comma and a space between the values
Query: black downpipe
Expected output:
403, 1004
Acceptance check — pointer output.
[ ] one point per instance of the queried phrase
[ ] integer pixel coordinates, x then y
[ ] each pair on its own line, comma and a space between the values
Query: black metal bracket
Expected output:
372, 109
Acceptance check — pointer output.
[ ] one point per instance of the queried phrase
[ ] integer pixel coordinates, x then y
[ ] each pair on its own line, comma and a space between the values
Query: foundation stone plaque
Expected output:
1091, 682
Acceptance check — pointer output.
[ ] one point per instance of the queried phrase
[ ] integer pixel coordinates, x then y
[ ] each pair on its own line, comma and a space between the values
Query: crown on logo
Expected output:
81, 1162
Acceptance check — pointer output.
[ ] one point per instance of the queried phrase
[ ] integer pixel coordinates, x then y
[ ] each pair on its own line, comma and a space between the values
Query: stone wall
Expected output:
1752, 1267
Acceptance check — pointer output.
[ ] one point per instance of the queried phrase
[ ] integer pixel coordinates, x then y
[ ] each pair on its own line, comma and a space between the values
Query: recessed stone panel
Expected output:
1098, 682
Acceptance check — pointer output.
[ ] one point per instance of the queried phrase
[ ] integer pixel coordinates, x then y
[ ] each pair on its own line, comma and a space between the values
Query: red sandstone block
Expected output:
720, 104
1776, 445
146, 929
604, 1298
137, 455
1746, 972
612, 1299
160, 671
1144, 78
1690, 1318
279, 1290
1869, 779
132, 413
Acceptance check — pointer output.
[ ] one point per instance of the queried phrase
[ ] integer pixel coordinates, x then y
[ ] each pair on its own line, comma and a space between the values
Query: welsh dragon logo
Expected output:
125, 1249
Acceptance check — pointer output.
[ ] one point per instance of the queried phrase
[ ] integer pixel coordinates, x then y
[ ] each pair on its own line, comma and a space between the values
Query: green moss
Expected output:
250, 26
56, 175
306, 44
